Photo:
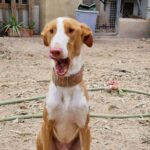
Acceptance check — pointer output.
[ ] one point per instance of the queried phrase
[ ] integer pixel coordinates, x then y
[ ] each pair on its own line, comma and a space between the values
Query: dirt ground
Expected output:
25, 72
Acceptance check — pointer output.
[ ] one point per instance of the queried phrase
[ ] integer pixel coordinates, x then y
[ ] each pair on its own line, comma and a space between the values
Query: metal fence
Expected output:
108, 17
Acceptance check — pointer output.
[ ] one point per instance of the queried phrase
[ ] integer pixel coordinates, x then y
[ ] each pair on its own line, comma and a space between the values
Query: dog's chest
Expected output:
68, 107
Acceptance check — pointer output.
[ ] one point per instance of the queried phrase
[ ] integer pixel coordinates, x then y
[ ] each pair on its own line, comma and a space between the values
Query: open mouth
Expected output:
61, 66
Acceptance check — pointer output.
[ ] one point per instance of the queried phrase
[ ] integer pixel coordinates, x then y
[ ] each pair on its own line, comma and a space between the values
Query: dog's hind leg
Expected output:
38, 143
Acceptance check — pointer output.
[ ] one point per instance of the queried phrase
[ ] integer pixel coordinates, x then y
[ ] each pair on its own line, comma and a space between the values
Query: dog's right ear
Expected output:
46, 36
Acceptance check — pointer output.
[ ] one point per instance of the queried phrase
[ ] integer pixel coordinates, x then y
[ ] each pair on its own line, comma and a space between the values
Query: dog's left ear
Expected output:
46, 36
87, 36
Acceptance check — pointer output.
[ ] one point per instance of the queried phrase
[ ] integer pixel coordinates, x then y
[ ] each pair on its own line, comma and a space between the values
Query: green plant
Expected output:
14, 24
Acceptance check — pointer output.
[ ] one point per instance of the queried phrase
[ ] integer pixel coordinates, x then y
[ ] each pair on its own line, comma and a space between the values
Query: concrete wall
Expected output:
50, 9
135, 28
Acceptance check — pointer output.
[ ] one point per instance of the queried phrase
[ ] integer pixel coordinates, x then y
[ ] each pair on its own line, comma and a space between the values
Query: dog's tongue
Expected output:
62, 66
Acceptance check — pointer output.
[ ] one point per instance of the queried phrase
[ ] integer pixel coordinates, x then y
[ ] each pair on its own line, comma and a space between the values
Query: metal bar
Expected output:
117, 17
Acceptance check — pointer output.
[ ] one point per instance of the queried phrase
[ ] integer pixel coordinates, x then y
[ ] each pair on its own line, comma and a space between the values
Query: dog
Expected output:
66, 111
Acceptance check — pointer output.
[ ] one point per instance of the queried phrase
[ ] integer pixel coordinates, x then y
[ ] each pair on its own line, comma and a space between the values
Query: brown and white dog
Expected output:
66, 112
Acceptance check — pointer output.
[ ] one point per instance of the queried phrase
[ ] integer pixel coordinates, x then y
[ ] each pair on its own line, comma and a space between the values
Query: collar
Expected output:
68, 81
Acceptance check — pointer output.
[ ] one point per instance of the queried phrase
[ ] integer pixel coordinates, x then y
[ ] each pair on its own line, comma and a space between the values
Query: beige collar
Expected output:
69, 81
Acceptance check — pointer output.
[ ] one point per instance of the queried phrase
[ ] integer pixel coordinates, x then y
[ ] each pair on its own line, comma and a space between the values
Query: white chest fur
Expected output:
69, 108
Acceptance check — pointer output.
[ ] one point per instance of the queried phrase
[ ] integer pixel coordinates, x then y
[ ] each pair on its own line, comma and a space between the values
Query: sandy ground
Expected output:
25, 72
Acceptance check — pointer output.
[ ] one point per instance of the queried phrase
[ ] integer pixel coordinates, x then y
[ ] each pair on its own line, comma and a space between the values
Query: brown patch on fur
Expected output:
48, 32
84, 133
85, 138
87, 36
78, 33
73, 31
44, 138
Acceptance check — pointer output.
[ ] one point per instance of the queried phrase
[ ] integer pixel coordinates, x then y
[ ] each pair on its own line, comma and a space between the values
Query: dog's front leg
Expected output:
44, 139
85, 136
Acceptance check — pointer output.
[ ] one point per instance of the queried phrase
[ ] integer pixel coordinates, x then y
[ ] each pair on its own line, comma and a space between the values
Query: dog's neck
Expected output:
74, 75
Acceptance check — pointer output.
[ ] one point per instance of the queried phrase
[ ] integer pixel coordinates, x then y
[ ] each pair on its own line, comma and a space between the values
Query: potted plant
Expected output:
12, 27
28, 30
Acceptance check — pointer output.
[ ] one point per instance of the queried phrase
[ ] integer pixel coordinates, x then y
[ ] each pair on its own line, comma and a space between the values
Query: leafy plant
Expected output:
14, 24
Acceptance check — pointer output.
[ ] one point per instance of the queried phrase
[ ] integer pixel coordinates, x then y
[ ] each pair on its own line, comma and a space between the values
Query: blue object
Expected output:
87, 17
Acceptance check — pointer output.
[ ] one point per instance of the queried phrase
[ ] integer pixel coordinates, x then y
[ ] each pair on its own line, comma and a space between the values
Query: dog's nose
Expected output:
56, 50
55, 53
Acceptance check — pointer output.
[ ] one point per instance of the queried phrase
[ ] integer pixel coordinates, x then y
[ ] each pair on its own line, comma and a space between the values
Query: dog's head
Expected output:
64, 37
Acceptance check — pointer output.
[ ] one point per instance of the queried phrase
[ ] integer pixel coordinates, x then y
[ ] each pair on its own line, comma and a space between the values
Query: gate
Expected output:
21, 9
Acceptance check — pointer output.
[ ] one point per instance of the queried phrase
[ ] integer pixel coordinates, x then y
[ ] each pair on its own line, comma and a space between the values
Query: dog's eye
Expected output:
70, 30
51, 31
